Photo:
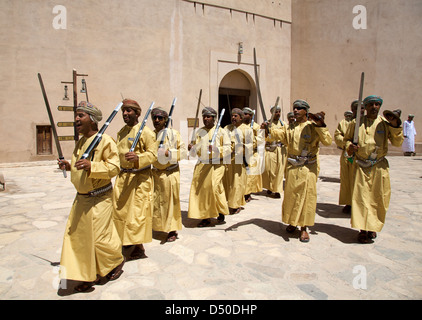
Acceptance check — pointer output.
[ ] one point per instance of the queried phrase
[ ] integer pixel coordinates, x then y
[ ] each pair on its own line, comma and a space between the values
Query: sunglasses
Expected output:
157, 117
299, 108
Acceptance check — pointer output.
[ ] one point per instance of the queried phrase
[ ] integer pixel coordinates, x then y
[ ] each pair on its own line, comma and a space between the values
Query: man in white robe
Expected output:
409, 133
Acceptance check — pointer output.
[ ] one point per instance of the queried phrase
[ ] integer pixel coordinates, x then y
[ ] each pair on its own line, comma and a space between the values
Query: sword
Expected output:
282, 113
258, 89
272, 113
253, 119
358, 115
214, 136
267, 129
99, 135
138, 135
196, 117
53, 126
167, 125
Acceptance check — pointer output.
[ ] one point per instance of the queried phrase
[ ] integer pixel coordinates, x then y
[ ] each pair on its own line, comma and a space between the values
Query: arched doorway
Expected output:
234, 92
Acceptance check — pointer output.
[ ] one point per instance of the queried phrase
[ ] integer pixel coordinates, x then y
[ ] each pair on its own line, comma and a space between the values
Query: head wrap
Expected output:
290, 114
159, 112
302, 104
372, 98
128, 103
238, 111
94, 113
411, 116
274, 108
247, 110
354, 104
348, 113
208, 111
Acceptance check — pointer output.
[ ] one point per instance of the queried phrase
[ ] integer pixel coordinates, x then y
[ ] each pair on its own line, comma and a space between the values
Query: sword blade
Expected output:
358, 112
53, 126
196, 117
258, 88
138, 135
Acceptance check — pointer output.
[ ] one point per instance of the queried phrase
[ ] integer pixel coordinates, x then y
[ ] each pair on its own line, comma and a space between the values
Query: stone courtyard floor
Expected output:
251, 257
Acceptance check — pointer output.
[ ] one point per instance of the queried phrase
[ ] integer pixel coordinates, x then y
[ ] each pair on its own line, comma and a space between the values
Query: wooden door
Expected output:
44, 140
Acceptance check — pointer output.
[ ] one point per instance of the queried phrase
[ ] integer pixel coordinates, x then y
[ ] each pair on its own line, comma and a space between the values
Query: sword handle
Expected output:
64, 170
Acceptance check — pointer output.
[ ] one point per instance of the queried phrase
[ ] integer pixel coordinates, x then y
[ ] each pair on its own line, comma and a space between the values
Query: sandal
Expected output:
137, 253
363, 237
172, 236
116, 272
372, 235
204, 223
98, 280
304, 236
290, 228
221, 218
84, 287
234, 210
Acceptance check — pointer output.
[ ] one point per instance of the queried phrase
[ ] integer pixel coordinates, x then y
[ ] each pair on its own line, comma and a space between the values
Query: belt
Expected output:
98, 192
368, 163
271, 146
301, 161
169, 168
131, 170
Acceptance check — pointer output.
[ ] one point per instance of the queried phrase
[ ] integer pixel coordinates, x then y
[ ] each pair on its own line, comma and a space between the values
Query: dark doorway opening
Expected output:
44, 140
229, 99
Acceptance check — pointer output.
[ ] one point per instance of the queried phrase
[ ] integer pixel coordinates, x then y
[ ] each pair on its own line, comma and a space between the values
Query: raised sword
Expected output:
167, 124
358, 115
359, 111
258, 88
53, 126
214, 136
100, 133
138, 135
196, 117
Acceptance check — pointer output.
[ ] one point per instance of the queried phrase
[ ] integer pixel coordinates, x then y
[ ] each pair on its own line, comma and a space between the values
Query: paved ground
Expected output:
249, 257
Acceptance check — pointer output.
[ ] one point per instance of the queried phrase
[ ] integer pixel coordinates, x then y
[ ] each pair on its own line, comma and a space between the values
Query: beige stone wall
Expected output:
157, 50
280, 9
143, 49
329, 54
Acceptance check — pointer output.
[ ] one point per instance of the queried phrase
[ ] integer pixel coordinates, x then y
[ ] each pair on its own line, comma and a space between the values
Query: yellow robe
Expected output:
133, 192
235, 178
371, 190
275, 162
254, 177
167, 215
207, 197
300, 194
346, 167
91, 244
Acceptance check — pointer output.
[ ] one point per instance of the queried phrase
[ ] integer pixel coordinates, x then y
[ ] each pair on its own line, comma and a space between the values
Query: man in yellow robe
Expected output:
302, 139
235, 178
371, 190
275, 158
167, 215
254, 177
346, 167
133, 189
91, 245
207, 198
